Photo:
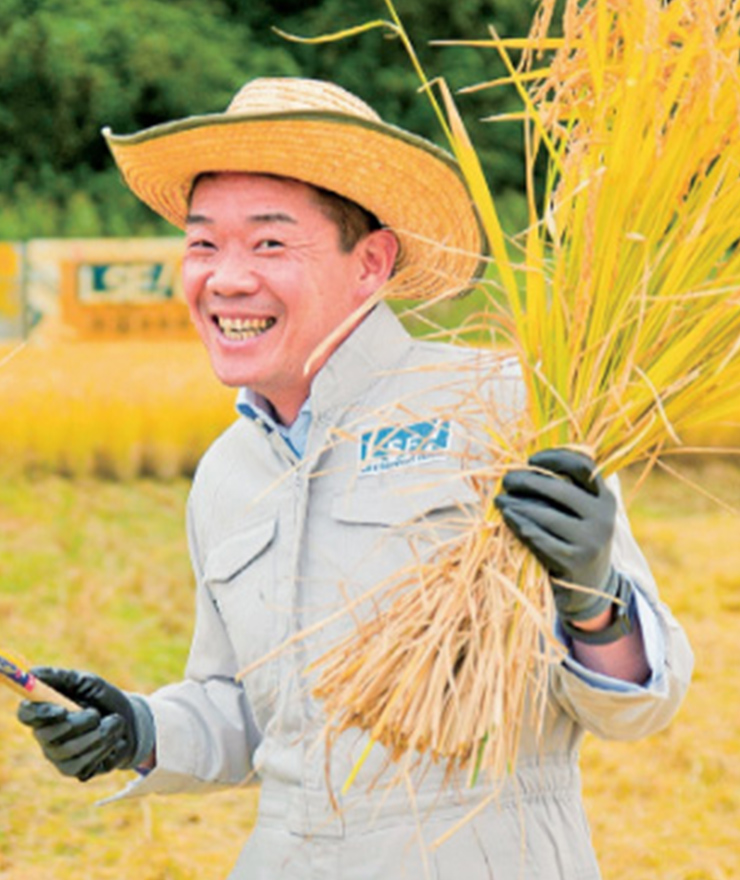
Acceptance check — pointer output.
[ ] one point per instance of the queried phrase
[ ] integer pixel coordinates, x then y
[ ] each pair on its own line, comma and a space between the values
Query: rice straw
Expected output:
623, 311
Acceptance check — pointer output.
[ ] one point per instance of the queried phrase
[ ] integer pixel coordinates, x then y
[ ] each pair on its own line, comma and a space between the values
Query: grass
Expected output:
94, 574
667, 807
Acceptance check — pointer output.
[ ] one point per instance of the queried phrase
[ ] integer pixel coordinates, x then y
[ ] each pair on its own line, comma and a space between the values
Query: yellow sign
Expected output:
128, 288
10, 289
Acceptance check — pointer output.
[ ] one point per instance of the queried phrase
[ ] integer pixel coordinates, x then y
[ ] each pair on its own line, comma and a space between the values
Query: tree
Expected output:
69, 68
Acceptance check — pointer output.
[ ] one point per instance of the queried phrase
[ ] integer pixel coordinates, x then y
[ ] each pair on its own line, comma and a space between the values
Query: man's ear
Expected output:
377, 253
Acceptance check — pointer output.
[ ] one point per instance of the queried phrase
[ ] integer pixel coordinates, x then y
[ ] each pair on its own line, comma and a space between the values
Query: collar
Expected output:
375, 345
254, 406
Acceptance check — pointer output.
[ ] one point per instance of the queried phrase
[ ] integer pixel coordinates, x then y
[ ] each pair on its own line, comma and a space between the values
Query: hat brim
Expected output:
411, 185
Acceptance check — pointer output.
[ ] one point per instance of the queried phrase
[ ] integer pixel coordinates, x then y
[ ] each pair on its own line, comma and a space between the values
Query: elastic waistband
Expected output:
311, 812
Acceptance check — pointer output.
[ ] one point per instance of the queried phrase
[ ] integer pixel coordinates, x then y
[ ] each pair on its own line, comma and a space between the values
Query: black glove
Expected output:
568, 524
111, 731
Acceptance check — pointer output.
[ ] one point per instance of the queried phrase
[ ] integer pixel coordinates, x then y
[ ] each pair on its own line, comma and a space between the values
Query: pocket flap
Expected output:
239, 550
402, 503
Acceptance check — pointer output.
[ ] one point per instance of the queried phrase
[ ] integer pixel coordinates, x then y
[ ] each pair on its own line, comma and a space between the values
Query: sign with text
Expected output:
125, 288
134, 282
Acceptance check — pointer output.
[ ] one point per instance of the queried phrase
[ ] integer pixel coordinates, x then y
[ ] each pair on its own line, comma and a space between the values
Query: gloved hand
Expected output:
111, 731
566, 518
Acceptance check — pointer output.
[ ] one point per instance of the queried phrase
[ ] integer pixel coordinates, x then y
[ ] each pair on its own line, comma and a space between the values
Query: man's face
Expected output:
266, 282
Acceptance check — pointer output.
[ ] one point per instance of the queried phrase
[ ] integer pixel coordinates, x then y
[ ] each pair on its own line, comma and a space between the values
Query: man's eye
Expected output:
269, 244
199, 244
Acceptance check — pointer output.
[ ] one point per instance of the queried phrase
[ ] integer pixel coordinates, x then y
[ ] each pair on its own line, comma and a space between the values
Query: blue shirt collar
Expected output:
373, 347
254, 406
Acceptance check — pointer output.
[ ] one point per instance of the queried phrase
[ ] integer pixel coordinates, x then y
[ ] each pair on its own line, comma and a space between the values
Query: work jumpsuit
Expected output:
282, 543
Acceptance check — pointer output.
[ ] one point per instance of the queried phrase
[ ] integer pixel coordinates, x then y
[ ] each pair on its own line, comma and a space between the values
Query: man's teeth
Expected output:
244, 328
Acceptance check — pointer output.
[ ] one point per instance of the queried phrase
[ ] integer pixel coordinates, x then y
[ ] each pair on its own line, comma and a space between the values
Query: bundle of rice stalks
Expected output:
624, 312
629, 329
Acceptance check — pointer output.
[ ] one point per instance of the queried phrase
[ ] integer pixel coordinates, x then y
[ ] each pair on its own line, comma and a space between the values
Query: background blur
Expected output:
107, 403
69, 68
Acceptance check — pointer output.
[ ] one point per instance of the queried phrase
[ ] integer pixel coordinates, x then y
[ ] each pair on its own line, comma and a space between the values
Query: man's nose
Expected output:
233, 276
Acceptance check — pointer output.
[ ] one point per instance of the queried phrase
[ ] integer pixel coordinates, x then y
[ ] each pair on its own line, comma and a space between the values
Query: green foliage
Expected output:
68, 69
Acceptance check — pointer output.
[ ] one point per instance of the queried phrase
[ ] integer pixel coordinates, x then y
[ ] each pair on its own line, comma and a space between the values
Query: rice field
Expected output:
93, 568
108, 409
121, 410
94, 574
96, 441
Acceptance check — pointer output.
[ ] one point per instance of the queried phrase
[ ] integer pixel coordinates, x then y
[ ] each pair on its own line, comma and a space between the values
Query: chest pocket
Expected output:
237, 552
241, 576
382, 529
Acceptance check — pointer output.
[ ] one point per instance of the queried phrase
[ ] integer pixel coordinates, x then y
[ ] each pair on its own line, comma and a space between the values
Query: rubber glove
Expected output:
112, 730
565, 514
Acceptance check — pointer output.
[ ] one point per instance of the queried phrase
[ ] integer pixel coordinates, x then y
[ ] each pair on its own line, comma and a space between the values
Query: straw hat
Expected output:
319, 133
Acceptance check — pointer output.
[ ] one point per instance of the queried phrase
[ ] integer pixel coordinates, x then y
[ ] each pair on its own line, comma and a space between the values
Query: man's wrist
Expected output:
593, 624
608, 626
145, 731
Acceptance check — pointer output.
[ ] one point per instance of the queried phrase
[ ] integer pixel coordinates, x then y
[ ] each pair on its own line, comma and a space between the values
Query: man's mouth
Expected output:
238, 329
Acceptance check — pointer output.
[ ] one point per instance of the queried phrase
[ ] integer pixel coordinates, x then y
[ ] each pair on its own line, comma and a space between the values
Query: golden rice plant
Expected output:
622, 306
113, 409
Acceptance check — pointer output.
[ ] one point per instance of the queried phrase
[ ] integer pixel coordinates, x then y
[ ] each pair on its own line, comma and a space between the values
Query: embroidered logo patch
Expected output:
386, 449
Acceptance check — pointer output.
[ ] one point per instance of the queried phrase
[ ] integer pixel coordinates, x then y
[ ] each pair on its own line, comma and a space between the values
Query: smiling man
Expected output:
268, 279
348, 462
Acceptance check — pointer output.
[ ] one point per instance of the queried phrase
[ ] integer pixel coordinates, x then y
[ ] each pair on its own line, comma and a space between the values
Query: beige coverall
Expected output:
279, 542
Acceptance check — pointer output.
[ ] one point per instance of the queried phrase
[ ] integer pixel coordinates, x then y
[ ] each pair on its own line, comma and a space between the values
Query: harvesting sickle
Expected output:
16, 675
